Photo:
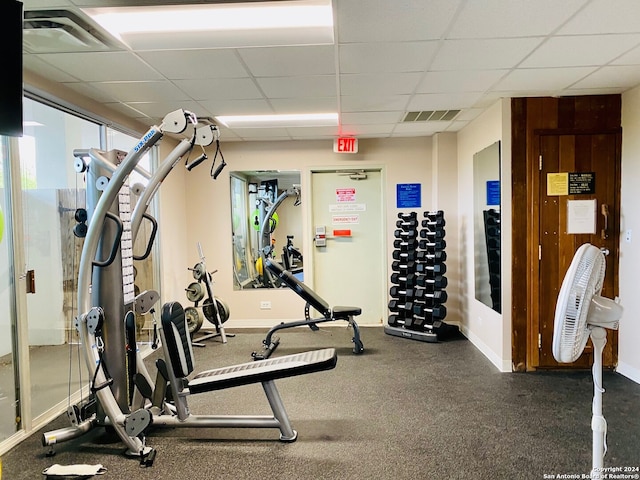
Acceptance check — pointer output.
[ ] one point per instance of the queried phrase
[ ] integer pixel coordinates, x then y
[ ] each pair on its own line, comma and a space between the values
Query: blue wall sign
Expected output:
408, 195
493, 192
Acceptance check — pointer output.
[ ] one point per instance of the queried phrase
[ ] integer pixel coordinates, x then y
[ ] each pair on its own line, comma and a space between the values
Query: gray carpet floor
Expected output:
402, 410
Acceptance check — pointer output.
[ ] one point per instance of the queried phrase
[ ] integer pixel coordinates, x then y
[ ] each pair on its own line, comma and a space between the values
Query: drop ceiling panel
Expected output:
483, 54
371, 118
46, 70
289, 61
369, 20
192, 64
506, 18
386, 57
584, 50
616, 76
443, 101
379, 83
141, 91
102, 66
364, 103
226, 88
223, 106
300, 133
460, 81
298, 86
160, 109
304, 105
419, 128
605, 16
543, 78
382, 129
632, 57
88, 90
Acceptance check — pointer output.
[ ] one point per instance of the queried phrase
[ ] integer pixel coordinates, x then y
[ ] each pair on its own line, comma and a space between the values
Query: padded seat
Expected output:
178, 345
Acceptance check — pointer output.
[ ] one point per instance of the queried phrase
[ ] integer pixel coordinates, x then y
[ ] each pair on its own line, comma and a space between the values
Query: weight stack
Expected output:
403, 267
428, 283
492, 238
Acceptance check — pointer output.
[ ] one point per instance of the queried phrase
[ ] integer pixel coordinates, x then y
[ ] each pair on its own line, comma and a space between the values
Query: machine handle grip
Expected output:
152, 237
116, 242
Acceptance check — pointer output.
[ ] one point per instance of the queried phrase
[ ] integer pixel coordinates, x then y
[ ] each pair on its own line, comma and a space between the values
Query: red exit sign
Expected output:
345, 145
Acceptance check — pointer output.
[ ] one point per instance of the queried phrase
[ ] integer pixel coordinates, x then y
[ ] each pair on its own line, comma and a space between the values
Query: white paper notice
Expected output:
581, 216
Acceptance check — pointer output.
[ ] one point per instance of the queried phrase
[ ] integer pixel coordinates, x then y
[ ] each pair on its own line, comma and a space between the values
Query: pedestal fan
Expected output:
581, 312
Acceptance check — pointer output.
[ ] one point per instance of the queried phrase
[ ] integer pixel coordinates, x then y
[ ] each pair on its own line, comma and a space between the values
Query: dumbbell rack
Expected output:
492, 238
418, 292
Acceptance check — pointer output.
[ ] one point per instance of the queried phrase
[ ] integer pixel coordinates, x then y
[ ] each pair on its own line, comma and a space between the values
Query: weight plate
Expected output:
210, 313
193, 318
194, 292
198, 271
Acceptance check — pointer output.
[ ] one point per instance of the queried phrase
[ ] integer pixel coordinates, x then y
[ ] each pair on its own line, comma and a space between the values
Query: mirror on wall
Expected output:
486, 226
266, 221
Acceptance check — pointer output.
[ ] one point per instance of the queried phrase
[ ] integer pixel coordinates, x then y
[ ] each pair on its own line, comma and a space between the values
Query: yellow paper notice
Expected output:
558, 183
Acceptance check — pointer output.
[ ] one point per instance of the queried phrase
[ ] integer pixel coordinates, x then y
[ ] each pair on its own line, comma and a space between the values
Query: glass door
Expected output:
8, 367
51, 192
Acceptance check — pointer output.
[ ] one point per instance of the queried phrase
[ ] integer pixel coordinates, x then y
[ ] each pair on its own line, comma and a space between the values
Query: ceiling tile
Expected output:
371, 118
191, 64
298, 86
443, 101
605, 16
382, 20
140, 91
305, 105
459, 81
46, 70
227, 88
88, 90
289, 61
581, 50
607, 77
310, 132
508, 18
360, 130
102, 66
483, 54
543, 78
363, 103
379, 83
386, 57
419, 128
160, 109
128, 110
223, 106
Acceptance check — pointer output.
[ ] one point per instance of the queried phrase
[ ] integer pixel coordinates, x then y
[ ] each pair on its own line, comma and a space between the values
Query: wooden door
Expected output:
598, 157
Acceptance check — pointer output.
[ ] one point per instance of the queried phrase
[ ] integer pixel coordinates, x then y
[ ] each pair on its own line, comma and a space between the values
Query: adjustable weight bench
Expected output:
180, 363
313, 300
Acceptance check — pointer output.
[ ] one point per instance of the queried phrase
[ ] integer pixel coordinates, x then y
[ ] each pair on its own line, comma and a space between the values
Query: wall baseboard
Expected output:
503, 365
628, 371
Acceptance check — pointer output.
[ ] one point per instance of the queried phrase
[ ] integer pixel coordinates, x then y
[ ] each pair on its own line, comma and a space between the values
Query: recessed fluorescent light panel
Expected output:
288, 120
226, 25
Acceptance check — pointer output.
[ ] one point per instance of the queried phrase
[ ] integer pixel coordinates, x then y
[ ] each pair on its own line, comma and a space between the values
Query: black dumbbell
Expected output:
408, 216
431, 284
437, 222
405, 235
433, 215
438, 233
432, 244
433, 257
399, 305
407, 224
404, 245
439, 296
431, 269
408, 279
436, 311
403, 266
408, 255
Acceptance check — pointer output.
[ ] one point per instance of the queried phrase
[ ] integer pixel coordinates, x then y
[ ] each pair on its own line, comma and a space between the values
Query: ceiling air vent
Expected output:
56, 31
430, 116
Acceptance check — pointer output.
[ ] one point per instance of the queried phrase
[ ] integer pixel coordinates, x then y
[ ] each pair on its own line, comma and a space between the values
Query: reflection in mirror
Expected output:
266, 223
486, 213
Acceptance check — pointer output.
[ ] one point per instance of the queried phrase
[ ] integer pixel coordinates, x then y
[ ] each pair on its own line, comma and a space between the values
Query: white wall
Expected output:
628, 352
489, 331
406, 160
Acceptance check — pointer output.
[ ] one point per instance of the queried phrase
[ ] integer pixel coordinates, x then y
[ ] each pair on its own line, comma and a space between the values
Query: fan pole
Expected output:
598, 423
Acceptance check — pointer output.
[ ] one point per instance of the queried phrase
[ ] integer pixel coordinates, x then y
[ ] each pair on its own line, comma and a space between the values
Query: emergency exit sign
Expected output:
345, 145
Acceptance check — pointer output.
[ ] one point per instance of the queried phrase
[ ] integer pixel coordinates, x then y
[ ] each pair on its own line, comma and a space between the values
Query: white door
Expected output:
350, 270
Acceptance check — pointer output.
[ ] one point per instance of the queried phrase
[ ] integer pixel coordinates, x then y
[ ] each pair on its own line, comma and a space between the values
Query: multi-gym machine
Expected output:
124, 396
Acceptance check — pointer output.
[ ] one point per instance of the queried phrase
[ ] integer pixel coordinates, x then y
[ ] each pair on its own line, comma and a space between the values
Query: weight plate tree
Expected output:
418, 293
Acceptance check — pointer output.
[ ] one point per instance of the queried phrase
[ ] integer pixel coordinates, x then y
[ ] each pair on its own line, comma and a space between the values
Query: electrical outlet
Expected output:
628, 236
265, 305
